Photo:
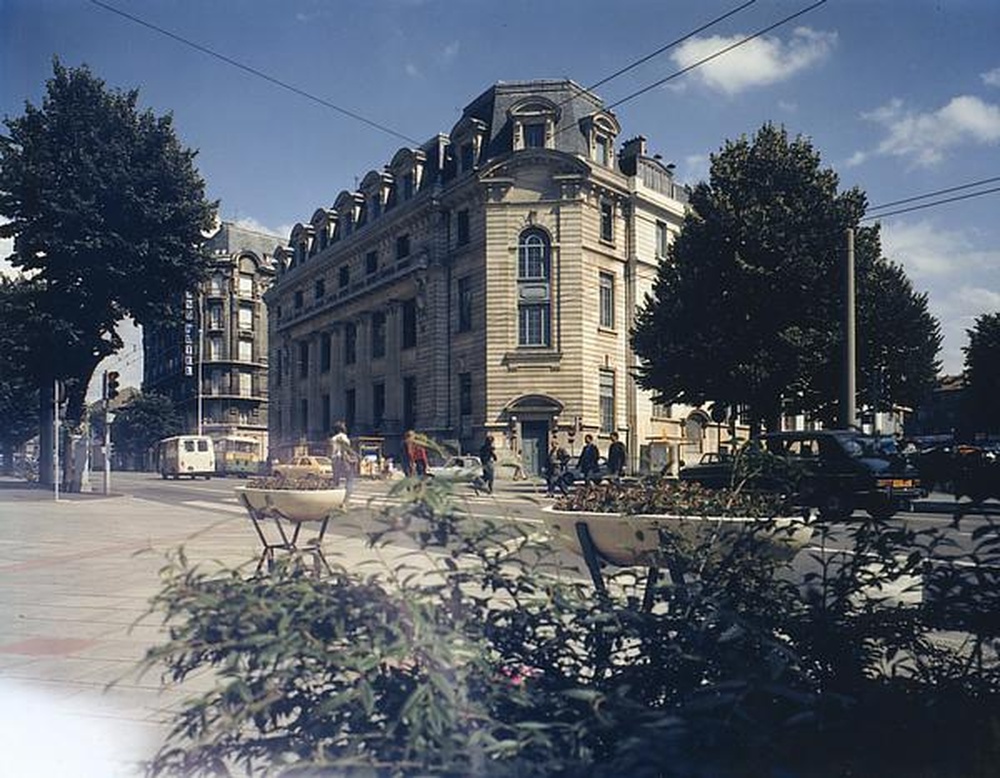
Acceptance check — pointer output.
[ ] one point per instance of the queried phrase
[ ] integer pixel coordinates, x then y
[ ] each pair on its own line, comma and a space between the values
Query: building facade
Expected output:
213, 362
484, 283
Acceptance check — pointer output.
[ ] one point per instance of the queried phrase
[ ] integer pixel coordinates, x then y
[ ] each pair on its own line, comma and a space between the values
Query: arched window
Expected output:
534, 289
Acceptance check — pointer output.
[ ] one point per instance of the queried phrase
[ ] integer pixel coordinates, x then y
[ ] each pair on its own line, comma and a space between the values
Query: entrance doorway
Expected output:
534, 445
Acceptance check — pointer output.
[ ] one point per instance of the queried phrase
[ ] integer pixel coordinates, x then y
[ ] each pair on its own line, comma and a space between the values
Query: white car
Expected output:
460, 468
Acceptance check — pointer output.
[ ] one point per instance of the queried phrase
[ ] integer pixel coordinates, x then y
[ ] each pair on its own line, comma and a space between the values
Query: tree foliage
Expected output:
747, 309
107, 212
141, 422
18, 394
982, 374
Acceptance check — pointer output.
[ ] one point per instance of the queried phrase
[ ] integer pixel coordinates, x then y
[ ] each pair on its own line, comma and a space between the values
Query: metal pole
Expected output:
850, 335
201, 345
107, 447
55, 437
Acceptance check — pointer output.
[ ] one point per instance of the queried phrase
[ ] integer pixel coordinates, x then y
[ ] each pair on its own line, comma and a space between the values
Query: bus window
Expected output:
189, 445
203, 445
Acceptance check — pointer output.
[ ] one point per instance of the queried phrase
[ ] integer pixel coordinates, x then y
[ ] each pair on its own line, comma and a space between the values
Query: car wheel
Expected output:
836, 506
881, 508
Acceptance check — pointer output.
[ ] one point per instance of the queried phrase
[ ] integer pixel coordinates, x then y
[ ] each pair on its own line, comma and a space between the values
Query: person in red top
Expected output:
414, 456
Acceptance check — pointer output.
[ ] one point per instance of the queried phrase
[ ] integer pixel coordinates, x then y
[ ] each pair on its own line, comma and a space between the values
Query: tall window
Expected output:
344, 276
402, 247
534, 289
602, 150
409, 323
464, 304
465, 394
245, 350
378, 335
215, 347
303, 359
607, 221
246, 285
299, 299
350, 408
245, 317
324, 400
607, 291
408, 186
216, 285
319, 288
324, 352
463, 227
371, 262
607, 398
661, 239
534, 135
467, 156
350, 344
378, 403
409, 402
246, 383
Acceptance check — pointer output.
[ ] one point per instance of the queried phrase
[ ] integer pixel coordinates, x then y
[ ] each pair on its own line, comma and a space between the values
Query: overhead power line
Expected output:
935, 193
932, 204
259, 73
719, 53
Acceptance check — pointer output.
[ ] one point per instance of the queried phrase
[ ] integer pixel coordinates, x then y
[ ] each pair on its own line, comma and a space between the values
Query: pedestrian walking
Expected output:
345, 459
488, 456
552, 469
414, 456
589, 458
616, 458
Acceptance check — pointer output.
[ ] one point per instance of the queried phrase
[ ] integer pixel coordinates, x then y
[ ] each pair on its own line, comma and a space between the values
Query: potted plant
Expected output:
641, 524
293, 498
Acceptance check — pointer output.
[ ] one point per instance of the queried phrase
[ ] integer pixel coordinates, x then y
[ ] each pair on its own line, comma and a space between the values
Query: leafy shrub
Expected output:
471, 656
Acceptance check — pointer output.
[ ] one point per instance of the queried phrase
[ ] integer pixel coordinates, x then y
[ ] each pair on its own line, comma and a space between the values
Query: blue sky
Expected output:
900, 98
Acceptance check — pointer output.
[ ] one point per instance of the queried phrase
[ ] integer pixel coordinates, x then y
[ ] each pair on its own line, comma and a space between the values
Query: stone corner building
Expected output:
222, 335
483, 283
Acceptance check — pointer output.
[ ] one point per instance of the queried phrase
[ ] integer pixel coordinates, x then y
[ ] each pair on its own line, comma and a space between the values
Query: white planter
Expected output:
635, 540
295, 504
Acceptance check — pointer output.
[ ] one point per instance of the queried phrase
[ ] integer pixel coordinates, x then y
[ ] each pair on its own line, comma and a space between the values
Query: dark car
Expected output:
713, 470
835, 471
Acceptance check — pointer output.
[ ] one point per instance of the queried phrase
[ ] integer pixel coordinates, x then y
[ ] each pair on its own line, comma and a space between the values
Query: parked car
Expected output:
714, 470
835, 471
571, 474
304, 465
459, 468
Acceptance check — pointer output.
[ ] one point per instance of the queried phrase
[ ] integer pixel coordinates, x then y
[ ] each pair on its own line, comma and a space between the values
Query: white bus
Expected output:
191, 455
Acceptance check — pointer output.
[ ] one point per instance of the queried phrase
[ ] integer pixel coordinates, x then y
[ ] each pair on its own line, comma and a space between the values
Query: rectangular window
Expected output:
215, 348
409, 323
303, 359
246, 285
607, 398
402, 247
246, 350
375, 206
371, 262
245, 320
409, 402
533, 325
215, 317
350, 408
534, 135
350, 344
378, 403
246, 384
465, 394
602, 149
324, 352
303, 415
607, 221
408, 186
378, 335
467, 156
215, 286
325, 402
661, 239
299, 299
464, 304
344, 276
607, 292
463, 227
319, 288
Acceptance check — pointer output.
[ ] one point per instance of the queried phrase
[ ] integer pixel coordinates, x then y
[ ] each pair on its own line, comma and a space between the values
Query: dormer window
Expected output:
468, 156
534, 121
601, 130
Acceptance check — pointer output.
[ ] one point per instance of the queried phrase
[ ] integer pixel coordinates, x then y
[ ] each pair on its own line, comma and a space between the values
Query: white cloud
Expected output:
788, 107
249, 223
411, 70
759, 62
925, 138
991, 77
938, 261
449, 52
696, 167
857, 158
6, 249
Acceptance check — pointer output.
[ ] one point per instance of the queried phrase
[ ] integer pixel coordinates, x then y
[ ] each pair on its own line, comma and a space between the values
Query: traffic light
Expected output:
110, 384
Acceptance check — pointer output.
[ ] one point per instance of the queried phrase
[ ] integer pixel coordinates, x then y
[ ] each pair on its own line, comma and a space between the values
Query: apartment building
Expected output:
484, 283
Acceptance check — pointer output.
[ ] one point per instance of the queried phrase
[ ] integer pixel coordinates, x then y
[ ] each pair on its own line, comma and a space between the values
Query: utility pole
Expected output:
109, 387
850, 334
55, 439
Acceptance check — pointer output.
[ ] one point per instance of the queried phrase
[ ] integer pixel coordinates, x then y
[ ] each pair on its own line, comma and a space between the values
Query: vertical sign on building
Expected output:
189, 333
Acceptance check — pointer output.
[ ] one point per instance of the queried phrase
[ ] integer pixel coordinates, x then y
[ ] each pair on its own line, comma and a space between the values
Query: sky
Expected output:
901, 99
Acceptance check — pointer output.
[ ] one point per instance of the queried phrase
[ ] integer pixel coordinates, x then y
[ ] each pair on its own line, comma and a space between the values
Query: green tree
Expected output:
982, 374
18, 394
141, 422
107, 212
746, 311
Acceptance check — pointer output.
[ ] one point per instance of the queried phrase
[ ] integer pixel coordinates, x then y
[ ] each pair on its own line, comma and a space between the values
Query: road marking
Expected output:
206, 505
